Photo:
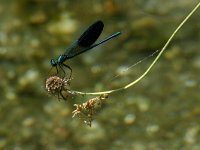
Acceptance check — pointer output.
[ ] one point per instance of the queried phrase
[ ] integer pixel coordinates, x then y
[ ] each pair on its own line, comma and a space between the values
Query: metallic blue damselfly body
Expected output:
85, 42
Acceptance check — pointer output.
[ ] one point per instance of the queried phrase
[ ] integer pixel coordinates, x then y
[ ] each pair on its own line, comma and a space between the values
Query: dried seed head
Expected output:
55, 84
86, 110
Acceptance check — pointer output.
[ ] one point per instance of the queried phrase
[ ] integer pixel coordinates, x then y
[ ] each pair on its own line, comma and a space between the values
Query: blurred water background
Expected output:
161, 112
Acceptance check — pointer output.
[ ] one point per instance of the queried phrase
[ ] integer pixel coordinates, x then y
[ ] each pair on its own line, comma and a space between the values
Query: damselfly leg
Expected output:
61, 67
70, 75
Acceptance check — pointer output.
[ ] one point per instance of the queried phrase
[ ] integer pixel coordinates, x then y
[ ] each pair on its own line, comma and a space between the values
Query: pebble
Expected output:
129, 119
143, 104
62, 27
53, 106
3, 40
191, 134
27, 82
190, 83
10, 95
196, 62
122, 71
152, 129
35, 43
29, 77
27, 122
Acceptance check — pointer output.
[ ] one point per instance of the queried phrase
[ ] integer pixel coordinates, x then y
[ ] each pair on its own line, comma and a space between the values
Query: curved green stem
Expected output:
152, 64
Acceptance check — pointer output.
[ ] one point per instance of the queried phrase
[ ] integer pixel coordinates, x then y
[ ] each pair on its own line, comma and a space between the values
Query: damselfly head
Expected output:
53, 63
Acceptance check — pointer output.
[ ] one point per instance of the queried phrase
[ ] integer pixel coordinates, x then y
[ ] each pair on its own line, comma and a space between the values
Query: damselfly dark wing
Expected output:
91, 34
85, 40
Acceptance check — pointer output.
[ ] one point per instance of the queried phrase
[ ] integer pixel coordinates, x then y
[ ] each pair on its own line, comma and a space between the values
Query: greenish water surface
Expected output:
160, 112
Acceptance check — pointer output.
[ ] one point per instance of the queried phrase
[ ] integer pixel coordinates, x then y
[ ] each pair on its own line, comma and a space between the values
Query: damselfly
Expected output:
85, 42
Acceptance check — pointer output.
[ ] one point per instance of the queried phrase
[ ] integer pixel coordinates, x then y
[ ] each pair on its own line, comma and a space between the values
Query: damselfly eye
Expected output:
53, 62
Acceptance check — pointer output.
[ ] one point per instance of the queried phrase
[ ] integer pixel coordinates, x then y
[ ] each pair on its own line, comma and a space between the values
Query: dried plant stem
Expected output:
152, 64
